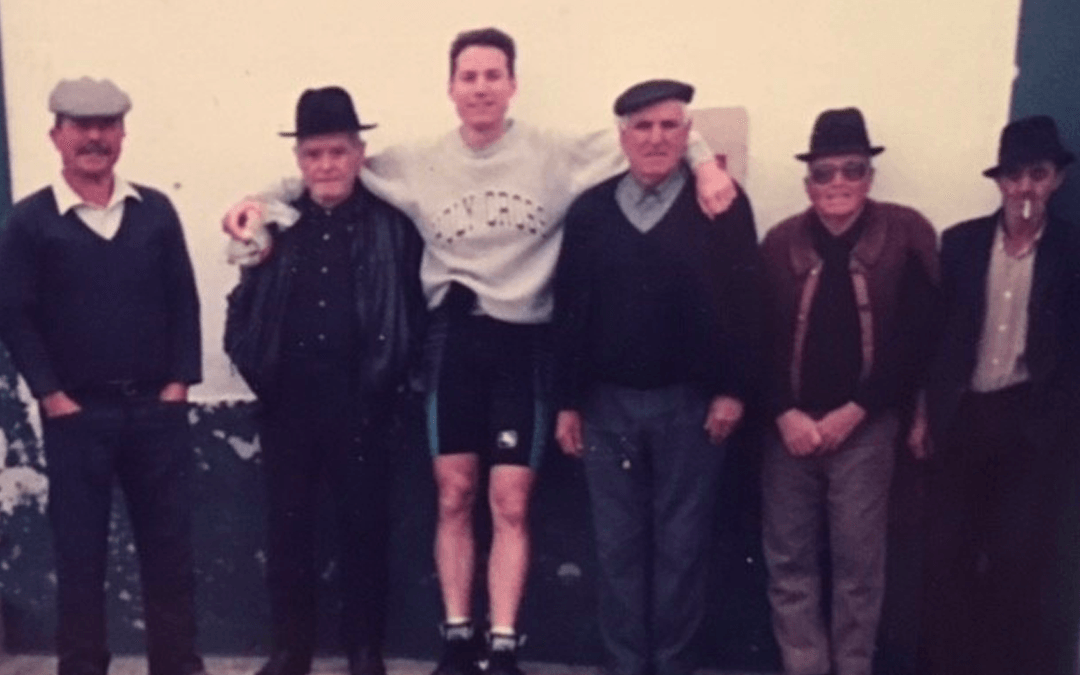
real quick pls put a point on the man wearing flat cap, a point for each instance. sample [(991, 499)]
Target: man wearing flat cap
[(655, 331), (1003, 404), (850, 284), (99, 311), (323, 325)]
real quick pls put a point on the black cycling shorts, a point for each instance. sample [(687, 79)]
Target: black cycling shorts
[(488, 388)]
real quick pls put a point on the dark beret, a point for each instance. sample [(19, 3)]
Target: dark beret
[(644, 94)]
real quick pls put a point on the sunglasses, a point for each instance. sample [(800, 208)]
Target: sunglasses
[(823, 174)]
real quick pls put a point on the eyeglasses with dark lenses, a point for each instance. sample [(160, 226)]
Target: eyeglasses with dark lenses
[(823, 174)]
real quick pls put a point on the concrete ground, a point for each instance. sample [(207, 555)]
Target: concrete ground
[(22, 664)]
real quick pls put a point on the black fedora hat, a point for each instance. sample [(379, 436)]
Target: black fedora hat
[(1029, 140), (839, 132), (325, 111)]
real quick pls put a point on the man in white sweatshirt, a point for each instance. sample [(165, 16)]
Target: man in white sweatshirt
[(488, 199)]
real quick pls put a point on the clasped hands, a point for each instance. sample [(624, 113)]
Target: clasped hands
[(804, 436)]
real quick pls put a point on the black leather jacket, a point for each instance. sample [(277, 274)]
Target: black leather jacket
[(390, 308)]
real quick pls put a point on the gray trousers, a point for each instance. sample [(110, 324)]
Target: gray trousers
[(837, 501), (652, 474)]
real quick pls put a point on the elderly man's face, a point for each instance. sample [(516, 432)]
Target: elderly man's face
[(654, 140), (1031, 183), (330, 164), (89, 146), (481, 87), (838, 186)]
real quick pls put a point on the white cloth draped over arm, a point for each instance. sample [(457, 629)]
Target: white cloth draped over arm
[(275, 202)]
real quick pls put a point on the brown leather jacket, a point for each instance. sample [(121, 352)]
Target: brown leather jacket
[(892, 236)]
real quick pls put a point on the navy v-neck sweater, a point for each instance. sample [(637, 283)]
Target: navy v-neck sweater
[(674, 305), (78, 310)]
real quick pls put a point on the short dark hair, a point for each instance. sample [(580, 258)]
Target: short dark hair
[(483, 37)]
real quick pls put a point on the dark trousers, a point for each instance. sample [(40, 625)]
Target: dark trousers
[(652, 475), (313, 431), (146, 445), (1002, 564)]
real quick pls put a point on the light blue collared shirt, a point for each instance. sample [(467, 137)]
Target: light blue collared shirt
[(644, 207)]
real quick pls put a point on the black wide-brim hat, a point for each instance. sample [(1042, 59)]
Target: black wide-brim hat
[(326, 111), (1029, 140), (839, 132)]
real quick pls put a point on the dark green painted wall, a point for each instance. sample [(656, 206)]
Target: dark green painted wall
[(559, 609), (1048, 57)]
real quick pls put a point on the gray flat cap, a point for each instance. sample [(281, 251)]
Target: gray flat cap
[(645, 94), (85, 97)]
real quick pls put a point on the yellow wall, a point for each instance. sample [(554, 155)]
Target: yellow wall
[(214, 80)]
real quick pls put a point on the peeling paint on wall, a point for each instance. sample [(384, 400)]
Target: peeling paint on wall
[(22, 477), (243, 448), (23, 482), (22, 486), (33, 418)]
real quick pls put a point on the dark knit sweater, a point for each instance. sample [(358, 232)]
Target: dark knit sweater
[(833, 359), (674, 305), (77, 310)]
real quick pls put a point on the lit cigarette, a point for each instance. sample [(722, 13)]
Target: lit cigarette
[(1026, 213)]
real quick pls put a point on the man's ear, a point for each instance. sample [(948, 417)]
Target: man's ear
[(1059, 179)]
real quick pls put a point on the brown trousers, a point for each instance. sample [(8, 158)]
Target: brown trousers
[(836, 502)]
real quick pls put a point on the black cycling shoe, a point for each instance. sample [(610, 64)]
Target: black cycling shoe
[(502, 654), (461, 651)]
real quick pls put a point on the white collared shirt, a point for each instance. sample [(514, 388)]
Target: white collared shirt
[(103, 220), (1003, 345)]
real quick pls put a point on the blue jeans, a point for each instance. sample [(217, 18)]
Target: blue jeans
[(145, 444), (652, 474)]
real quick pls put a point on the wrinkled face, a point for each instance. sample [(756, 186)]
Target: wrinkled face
[(654, 140), (481, 87), (1032, 183), (838, 186), (330, 164), (89, 146)]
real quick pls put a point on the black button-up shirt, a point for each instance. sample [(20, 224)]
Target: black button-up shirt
[(320, 313)]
